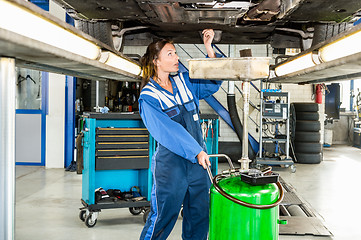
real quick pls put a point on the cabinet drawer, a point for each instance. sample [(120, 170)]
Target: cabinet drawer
[(121, 162), (121, 145), (122, 138), (122, 152), (121, 131)]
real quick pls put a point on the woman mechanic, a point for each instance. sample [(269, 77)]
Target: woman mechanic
[(169, 107)]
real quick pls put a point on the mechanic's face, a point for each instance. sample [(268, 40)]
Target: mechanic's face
[(168, 59)]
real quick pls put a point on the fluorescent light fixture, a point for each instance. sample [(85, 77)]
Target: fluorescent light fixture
[(297, 64), (121, 63), (343, 47), (346, 45), (22, 21)]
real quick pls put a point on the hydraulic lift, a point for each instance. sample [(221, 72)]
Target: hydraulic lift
[(21, 50)]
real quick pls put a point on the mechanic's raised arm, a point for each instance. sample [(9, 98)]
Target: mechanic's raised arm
[(208, 35)]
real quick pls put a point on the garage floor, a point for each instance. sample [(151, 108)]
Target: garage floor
[(48, 201)]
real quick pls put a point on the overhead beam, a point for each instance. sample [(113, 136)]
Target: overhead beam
[(35, 54)]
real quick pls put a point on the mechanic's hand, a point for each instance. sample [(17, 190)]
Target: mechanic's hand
[(208, 35), (203, 159)]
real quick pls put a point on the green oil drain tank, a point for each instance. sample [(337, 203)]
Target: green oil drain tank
[(232, 221)]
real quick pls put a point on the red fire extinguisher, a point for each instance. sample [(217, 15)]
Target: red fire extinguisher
[(319, 93)]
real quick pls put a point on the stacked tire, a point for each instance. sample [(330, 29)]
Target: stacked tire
[(307, 138)]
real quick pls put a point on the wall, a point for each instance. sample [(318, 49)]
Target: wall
[(102, 92), (342, 129), (55, 120)]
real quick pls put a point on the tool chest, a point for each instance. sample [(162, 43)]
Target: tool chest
[(117, 153)]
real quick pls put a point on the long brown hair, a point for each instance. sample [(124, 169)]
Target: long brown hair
[(147, 61)]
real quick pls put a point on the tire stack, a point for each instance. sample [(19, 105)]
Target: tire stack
[(308, 147), (99, 30)]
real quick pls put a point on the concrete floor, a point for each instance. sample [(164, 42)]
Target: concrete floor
[(48, 201)]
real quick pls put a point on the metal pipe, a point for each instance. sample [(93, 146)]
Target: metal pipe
[(352, 94), (97, 96), (225, 156), (236, 122), (251, 103), (209, 173), (7, 147), (218, 155), (245, 119), (245, 160), (295, 210)]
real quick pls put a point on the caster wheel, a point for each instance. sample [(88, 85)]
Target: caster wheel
[(293, 168), (82, 215), (91, 220), (145, 215), (135, 210)]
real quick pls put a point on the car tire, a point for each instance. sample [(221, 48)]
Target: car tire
[(308, 126), (307, 147), (311, 116), (324, 31), (309, 158), (305, 107), (292, 122), (99, 30), (307, 137)]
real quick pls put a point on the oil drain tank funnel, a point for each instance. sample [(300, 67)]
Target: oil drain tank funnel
[(234, 69), (243, 69)]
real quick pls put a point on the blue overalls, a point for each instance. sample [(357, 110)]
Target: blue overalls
[(173, 120)]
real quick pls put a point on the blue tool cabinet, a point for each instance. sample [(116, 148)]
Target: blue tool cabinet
[(117, 153)]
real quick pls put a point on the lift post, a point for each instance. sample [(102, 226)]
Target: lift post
[(7, 148)]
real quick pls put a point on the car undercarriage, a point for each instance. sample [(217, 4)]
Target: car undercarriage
[(282, 23)]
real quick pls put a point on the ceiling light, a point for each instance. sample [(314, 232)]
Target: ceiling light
[(22, 21), (121, 63), (348, 45), (296, 64)]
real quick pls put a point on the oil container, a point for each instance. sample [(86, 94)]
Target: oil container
[(230, 220)]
